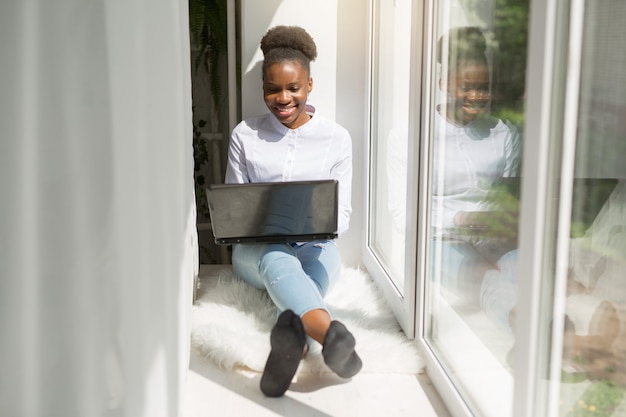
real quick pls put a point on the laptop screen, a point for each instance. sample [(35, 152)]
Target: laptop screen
[(273, 212), (589, 197)]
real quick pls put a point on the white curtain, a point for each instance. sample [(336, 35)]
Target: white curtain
[(98, 248)]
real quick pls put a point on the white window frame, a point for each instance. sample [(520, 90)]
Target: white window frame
[(555, 46), (403, 303), (547, 120)]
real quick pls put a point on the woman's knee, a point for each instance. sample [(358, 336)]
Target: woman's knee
[(322, 263), (276, 259)]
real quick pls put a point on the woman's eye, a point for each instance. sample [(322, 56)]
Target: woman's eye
[(477, 89)]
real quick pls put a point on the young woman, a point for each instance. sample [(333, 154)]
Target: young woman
[(473, 150), (293, 143)]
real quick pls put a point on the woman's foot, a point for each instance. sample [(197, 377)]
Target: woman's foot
[(338, 351), (288, 341)]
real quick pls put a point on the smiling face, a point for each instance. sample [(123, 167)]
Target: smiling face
[(468, 89), (286, 86)]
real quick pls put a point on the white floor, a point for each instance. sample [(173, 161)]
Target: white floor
[(211, 391)]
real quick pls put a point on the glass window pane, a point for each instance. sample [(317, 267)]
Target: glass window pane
[(475, 142), (390, 115), (594, 354)]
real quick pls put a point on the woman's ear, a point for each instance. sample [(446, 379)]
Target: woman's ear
[(310, 85)]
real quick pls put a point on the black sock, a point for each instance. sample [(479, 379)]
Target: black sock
[(287, 341), (338, 351)]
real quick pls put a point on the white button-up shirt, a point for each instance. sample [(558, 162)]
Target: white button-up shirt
[(264, 150), (467, 160)]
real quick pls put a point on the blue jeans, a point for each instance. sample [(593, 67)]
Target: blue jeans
[(498, 294), (296, 276), (460, 268), (471, 276)]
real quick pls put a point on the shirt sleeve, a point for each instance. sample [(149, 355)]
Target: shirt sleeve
[(512, 151), (236, 169), (342, 172)]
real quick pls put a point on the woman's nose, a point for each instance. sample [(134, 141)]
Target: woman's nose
[(283, 96)]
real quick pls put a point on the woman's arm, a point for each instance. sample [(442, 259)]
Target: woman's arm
[(236, 170), (342, 171), (512, 152)]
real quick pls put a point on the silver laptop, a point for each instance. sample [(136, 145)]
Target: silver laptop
[(295, 211)]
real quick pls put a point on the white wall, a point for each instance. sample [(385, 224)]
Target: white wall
[(339, 28)]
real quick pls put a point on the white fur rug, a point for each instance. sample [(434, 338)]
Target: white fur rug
[(231, 324)]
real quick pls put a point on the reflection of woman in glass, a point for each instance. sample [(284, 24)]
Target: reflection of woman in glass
[(293, 143), (472, 149)]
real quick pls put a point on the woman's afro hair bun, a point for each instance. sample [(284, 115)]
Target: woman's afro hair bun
[(293, 37)]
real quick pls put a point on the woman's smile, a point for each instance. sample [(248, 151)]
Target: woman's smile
[(285, 111), (286, 86)]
